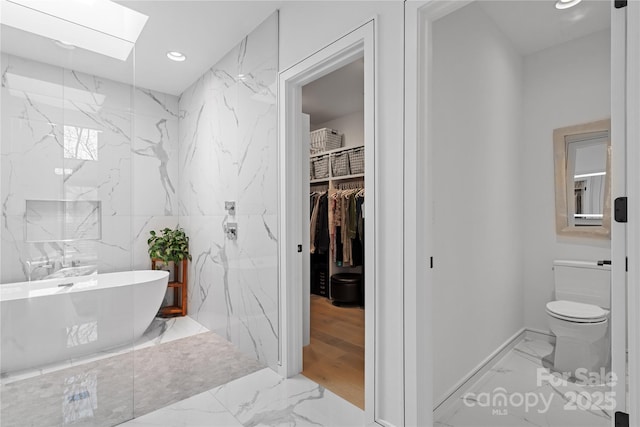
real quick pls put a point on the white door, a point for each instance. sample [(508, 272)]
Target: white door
[(305, 129)]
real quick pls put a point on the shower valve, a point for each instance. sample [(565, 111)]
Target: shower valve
[(230, 207), (231, 229)]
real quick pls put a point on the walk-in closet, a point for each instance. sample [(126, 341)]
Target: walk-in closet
[(333, 110)]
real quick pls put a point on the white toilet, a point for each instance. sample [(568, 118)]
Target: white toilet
[(579, 317)]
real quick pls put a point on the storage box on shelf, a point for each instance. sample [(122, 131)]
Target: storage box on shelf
[(179, 286), (356, 160), (337, 164), (325, 139), (340, 164), (320, 169)]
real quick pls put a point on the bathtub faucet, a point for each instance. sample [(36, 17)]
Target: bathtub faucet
[(74, 263), (33, 266)]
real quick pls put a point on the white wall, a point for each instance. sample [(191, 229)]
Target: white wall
[(476, 125), (565, 85), (351, 126), (306, 27)]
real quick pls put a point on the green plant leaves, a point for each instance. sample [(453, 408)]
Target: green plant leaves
[(170, 245)]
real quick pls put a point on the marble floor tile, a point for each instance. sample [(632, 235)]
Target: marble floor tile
[(520, 390), (200, 410), (262, 398)]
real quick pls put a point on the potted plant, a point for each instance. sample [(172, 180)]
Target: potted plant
[(169, 246)]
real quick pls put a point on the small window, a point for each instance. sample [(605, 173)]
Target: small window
[(80, 143)]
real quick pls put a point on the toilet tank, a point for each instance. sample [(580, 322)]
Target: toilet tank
[(583, 281)]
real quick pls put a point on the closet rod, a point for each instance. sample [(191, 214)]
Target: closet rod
[(350, 185)]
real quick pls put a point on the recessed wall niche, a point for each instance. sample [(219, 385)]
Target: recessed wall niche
[(63, 220)]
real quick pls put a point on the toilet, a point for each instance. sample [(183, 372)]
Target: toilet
[(579, 316)]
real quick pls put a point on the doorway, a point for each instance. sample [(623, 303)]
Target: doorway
[(355, 49), (333, 354), (489, 217)]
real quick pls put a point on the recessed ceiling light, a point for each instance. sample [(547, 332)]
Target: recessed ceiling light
[(176, 56), (64, 45), (566, 4)]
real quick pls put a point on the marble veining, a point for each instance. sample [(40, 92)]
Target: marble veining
[(76, 141), (262, 398), (228, 151), (154, 96), (156, 149)]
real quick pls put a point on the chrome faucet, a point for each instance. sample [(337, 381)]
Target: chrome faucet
[(33, 266)]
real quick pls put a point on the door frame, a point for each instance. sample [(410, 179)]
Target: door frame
[(291, 185), (418, 210), (633, 190)]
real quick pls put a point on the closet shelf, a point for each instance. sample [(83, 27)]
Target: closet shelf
[(343, 177), (336, 178), (320, 180), (335, 150)]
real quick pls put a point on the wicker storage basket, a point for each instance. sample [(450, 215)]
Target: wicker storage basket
[(340, 164), (320, 167), (325, 139), (356, 160)]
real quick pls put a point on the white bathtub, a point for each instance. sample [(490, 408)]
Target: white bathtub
[(50, 321)]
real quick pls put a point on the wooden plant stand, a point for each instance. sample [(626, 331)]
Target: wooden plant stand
[(179, 307)]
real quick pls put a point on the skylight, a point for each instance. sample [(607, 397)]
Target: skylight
[(101, 26)]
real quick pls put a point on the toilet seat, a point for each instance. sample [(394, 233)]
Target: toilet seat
[(577, 312)]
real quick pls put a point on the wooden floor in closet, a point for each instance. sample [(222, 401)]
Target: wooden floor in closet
[(335, 356)]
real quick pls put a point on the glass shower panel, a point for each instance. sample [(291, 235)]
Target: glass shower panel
[(65, 185), (256, 256)]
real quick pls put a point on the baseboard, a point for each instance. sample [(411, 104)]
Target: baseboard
[(540, 335), (482, 368)]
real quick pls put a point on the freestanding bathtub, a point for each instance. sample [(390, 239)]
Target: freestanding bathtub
[(54, 320)]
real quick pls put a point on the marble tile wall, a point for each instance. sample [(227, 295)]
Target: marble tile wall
[(72, 136), (228, 152)]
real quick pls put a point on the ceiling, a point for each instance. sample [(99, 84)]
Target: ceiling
[(203, 30), (337, 94), (531, 26), (206, 30), (535, 25)]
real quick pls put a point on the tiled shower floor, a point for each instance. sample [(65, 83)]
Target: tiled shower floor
[(160, 331), (175, 360), (522, 376)]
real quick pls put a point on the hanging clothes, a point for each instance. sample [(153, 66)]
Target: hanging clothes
[(315, 200), (322, 226), (346, 226)]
